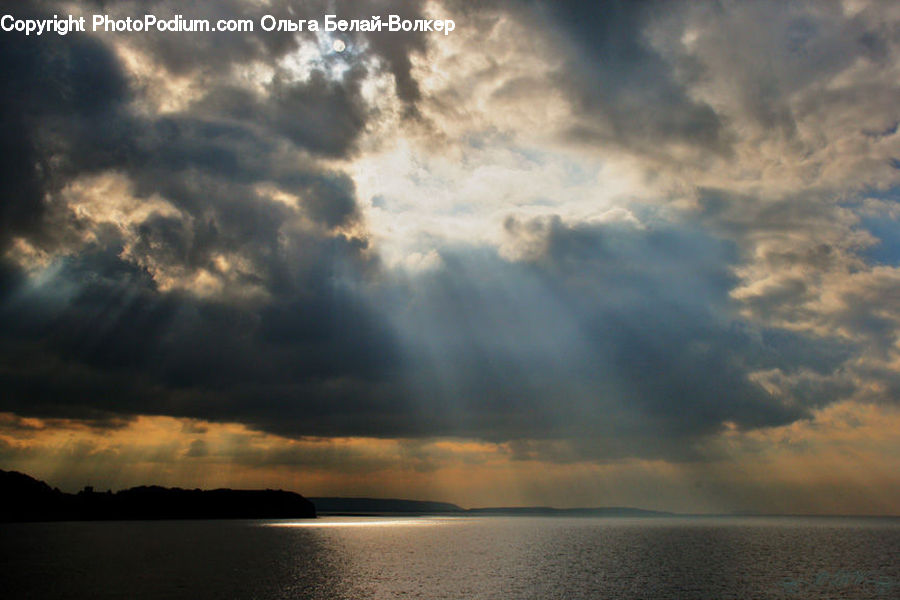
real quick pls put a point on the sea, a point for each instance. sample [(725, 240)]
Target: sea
[(456, 558)]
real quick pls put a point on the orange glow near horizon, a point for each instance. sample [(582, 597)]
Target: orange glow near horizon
[(845, 461)]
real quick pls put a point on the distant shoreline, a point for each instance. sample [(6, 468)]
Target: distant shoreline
[(25, 499)]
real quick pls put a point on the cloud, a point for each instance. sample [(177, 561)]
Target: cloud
[(485, 347), (54, 83), (622, 230), (608, 331), (623, 89), (157, 243)]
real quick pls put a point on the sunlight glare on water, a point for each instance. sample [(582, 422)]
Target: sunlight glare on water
[(361, 522)]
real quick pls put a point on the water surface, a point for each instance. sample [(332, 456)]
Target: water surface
[(464, 558)]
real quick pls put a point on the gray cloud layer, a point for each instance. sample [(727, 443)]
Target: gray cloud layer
[(626, 338)]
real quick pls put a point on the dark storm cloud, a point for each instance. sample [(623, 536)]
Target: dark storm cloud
[(608, 332), (65, 115), (624, 87), (621, 337), (46, 84), (204, 53), (100, 340), (623, 90), (620, 359), (99, 336)]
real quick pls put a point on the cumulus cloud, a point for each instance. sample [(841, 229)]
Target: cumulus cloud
[(621, 229)]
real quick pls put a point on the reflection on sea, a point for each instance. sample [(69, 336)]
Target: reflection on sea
[(467, 558), (362, 522)]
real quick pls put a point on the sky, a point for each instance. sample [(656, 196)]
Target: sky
[(571, 253)]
